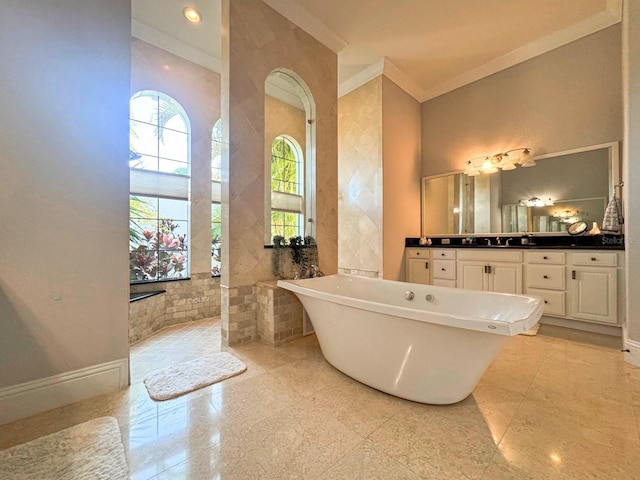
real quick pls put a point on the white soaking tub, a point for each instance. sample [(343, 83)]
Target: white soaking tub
[(419, 342)]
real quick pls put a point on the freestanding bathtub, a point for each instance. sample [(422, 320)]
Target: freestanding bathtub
[(419, 342)]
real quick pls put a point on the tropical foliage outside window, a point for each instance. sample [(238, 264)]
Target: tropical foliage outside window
[(159, 203), (216, 214), (286, 177)]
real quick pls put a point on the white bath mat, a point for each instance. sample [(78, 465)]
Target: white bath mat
[(188, 376), (532, 332), (90, 450)]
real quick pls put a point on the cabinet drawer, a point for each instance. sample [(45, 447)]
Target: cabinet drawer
[(489, 255), (595, 259), (554, 302), (553, 258), (444, 283), (418, 253), (443, 254), (545, 276), (445, 269)]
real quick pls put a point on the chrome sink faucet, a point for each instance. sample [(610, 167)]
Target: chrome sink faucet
[(508, 242), (498, 241), (488, 241)]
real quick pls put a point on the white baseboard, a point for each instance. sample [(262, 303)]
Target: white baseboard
[(26, 399), (612, 330), (633, 355)]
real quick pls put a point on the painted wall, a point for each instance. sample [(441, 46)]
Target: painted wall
[(256, 41), (631, 172), (567, 98), (64, 186), (360, 146), (401, 175)]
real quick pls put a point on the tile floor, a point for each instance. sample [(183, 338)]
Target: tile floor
[(559, 405)]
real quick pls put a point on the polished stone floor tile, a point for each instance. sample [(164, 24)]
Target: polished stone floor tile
[(560, 405)]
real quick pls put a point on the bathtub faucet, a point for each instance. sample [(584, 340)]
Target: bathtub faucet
[(315, 271)]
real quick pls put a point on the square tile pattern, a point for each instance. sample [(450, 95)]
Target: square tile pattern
[(558, 405)]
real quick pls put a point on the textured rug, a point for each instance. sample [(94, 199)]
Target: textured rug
[(532, 332), (90, 450), (188, 376)]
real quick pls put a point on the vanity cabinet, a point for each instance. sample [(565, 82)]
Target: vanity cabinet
[(594, 287), (492, 271), (443, 271), (417, 265), (545, 277), (578, 287)]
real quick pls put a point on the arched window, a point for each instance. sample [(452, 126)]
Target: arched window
[(159, 162), (216, 192), (287, 188)]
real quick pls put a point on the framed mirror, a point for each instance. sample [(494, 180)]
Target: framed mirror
[(562, 188)]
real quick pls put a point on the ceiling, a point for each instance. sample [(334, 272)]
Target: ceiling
[(428, 47)]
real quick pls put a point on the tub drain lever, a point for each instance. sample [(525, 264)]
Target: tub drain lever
[(409, 295)]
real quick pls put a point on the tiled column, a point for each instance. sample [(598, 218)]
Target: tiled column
[(279, 314)]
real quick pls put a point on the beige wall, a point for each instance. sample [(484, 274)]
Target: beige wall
[(360, 143), (64, 186), (256, 41), (631, 172), (401, 175), (567, 98), (197, 89)]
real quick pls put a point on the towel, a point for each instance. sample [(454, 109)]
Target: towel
[(613, 216)]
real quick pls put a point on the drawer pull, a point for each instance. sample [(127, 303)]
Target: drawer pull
[(593, 259), (573, 274), (545, 276), (443, 254), (426, 265), (443, 269), (545, 302), (545, 258)]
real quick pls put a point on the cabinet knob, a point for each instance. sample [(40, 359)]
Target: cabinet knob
[(442, 254), (593, 259), (545, 257), (545, 276), (545, 302), (443, 269)]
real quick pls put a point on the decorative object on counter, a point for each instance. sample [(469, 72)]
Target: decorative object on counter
[(613, 219), (423, 241), (499, 161), (577, 228), (297, 258), (595, 230)]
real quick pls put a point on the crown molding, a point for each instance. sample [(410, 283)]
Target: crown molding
[(363, 76), (173, 45), (595, 23), (298, 15), (403, 80)]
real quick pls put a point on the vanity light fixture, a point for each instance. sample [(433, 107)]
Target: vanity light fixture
[(499, 161), (192, 14), (536, 202)]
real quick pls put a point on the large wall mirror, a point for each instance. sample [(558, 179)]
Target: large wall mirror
[(562, 188)]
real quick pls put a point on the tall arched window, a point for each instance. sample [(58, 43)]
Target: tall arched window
[(287, 188), (216, 193), (159, 162)]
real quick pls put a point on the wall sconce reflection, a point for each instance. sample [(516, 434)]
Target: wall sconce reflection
[(536, 202)]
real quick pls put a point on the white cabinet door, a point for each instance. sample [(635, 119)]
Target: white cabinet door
[(492, 277), (505, 278), (418, 270), (594, 294), (471, 275)]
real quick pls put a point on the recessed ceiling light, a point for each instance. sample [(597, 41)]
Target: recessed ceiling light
[(192, 14)]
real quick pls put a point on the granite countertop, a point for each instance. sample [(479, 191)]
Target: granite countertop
[(579, 242)]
